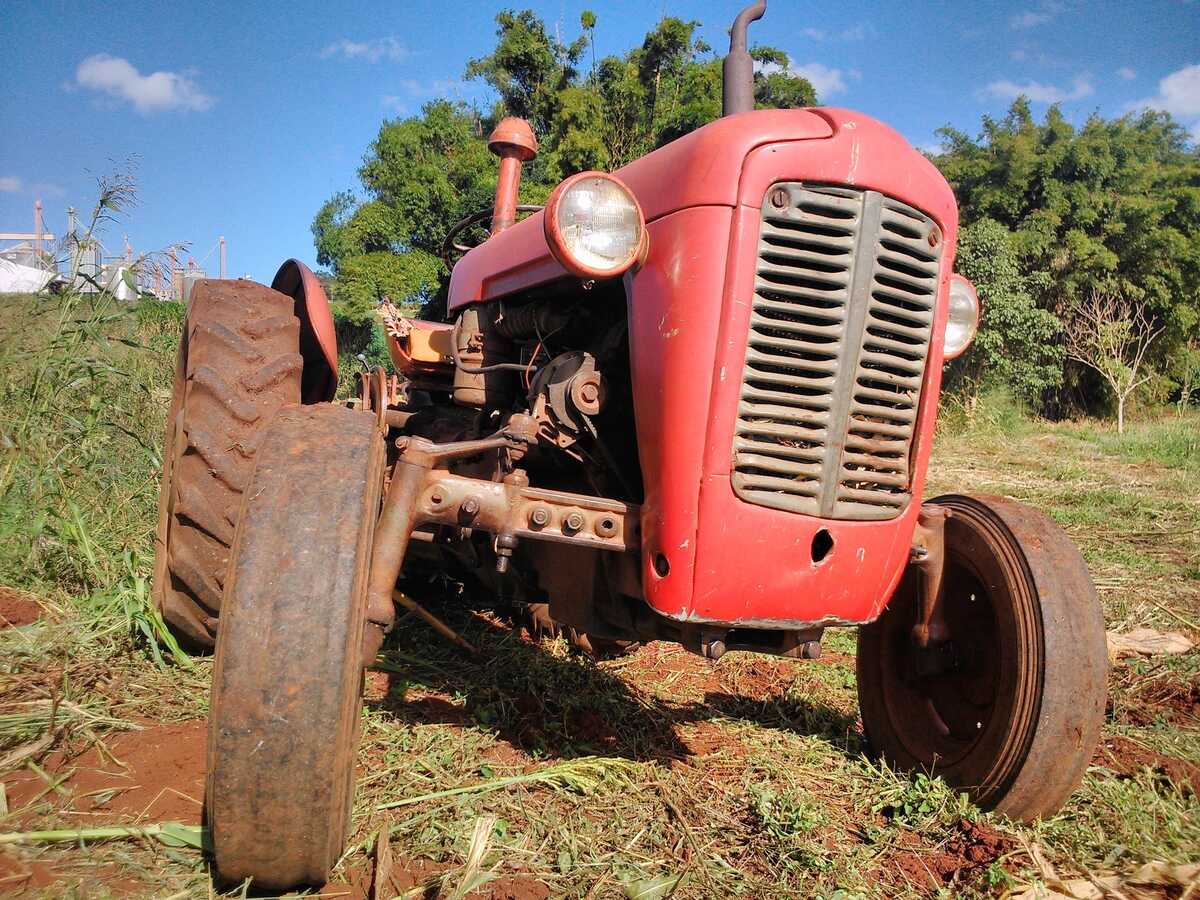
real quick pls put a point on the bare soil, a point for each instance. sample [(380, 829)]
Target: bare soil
[(17, 608), (1127, 758), (156, 774)]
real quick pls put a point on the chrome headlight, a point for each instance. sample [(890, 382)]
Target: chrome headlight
[(963, 319), (595, 226)]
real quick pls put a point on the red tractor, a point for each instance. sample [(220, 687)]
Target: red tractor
[(690, 401)]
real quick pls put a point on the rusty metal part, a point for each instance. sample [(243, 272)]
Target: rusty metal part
[(288, 668), (737, 93), (1013, 712), (511, 507), (512, 141), (434, 622), (239, 362), (929, 558), (418, 457), (482, 377)]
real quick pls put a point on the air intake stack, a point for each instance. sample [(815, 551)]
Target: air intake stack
[(738, 74)]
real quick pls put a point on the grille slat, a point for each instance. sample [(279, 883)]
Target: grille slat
[(845, 292)]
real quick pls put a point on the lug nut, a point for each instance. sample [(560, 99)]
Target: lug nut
[(539, 517), (573, 523)]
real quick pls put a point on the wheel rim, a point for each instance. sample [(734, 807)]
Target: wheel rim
[(972, 722)]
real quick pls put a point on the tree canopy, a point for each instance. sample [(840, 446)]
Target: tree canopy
[(1052, 212)]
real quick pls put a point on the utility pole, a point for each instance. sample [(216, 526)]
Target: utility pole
[(37, 226), (222, 256)]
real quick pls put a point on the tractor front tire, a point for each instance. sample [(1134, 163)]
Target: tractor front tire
[(287, 677), (1009, 710), (239, 362)]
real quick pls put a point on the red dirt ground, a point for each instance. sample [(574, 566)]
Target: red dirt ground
[(957, 861), (17, 609), (408, 873), (156, 774), (1127, 758)]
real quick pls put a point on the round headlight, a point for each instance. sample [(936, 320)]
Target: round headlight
[(963, 320), (594, 225)]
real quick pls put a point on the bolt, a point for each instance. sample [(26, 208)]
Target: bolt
[(436, 498), (573, 523), (539, 517), (606, 527), (470, 507), (933, 237), (810, 650), (590, 392), (716, 649), (779, 198)]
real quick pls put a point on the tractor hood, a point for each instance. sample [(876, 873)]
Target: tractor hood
[(700, 169)]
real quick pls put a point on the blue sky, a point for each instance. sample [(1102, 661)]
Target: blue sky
[(245, 117)]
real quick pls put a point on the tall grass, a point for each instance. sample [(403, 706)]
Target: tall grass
[(84, 382)]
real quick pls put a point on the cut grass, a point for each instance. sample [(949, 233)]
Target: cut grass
[(742, 778)]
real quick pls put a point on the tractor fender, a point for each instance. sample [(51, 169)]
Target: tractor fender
[(318, 337)]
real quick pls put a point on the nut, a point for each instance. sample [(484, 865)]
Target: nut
[(606, 527), (573, 523), (539, 517)]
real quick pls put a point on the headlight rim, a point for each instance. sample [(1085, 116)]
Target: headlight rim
[(554, 234), (947, 353)]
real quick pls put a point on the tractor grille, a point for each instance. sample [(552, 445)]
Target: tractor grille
[(839, 333)]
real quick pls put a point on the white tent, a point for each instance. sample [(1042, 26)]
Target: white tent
[(16, 278)]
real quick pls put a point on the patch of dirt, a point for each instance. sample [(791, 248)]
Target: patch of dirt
[(156, 774), (39, 877), (1127, 758), (408, 873), (17, 608), (1175, 701), (958, 860)]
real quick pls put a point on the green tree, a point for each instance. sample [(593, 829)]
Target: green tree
[(1016, 344), (1112, 206)]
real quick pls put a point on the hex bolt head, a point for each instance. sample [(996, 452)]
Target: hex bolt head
[(573, 523), (539, 517), (470, 507)]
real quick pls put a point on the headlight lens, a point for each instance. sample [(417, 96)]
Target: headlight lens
[(594, 225), (963, 320)]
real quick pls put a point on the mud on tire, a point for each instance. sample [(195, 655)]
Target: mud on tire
[(238, 364)]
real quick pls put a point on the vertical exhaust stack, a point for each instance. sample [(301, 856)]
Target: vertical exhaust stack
[(737, 93)]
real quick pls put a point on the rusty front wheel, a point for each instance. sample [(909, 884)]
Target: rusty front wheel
[(288, 670), (1010, 709)]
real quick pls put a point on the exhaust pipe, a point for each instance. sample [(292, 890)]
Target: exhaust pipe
[(737, 90)]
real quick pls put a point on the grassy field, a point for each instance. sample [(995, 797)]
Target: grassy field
[(527, 771)]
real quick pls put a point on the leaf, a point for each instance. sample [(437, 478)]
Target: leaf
[(652, 889), (1146, 642)]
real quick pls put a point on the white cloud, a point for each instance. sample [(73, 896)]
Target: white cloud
[(1126, 74), (853, 33), (388, 48), (825, 81), (422, 90), (1081, 87), (156, 92), (1178, 94), (1032, 18), (10, 184)]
